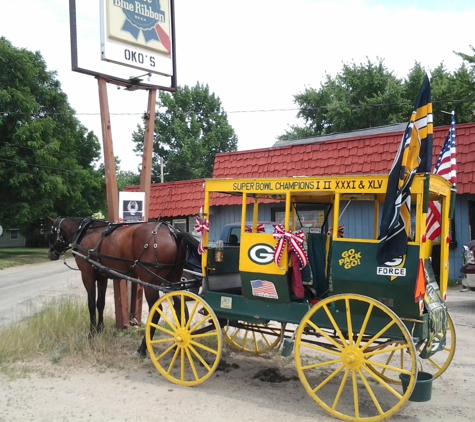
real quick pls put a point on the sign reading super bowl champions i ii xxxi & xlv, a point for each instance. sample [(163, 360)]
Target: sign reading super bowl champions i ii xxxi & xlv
[(137, 33)]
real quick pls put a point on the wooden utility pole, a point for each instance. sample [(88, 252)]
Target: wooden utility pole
[(145, 181), (120, 286)]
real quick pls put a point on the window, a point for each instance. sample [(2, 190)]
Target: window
[(179, 224), (14, 234), (191, 225), (309, 217)]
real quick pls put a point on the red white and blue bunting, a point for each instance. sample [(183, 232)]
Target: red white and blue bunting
[(259, 229), (295, 240), (201, 227)]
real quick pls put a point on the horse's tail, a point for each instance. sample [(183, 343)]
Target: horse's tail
[(192, 245)]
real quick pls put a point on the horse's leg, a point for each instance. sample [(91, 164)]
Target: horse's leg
[(101, 301), (90, 285), (151, 296)]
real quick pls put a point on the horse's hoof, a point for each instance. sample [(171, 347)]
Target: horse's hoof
[(137, 354)]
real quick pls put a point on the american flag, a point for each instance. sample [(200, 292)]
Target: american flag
[(446, 163), (445, 167), (263, 288)]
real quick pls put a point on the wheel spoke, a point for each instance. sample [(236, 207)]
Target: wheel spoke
[(365, 324), (329, 378), (174, 357), (165, 318), (322, 349), (321, 364), (192, 363), (183, 320), (379, 334), (382, 382), (171, 306), (370, 392), (386, 350), (355, 394), (348, 321), (200, 358), (327, 337), (203, 347), (334, 324), (340, 389), (162, 340), (192, 314)]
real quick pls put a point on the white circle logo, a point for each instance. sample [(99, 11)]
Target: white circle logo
[(261, 254)]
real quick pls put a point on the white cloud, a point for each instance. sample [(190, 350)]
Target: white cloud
[(254, 55)]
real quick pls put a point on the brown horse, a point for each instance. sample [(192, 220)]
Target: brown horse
[(152, 252)]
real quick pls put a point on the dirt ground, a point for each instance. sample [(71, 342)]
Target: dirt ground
[(233, 396)]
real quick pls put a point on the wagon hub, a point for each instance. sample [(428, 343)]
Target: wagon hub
[(182, 337), (352, 357)]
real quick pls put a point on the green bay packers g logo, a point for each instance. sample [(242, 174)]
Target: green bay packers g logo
[(261, 254)]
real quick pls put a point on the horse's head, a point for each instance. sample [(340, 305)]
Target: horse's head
[(56, 239)]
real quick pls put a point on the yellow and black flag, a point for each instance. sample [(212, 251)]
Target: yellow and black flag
[(413, 156)]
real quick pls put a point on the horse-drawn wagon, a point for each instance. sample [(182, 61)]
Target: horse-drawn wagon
[(360, 328)]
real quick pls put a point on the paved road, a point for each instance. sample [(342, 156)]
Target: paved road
[(25, 289)]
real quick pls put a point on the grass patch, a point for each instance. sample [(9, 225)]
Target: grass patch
[(59, 336), (14, 257)]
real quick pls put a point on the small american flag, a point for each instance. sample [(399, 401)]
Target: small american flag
[(263, 289), (445, 167), (446, 163)]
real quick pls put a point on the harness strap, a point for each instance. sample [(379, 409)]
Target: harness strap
[(95, 253)]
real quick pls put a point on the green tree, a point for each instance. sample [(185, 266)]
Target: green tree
[(453, 92), (368, 95), (191, 127), (47, 158), (350, 100), (127, 178), (467, 57)]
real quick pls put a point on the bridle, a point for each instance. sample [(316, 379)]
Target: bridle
[(60, 245)]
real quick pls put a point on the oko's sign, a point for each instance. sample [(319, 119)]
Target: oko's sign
[(137, 33)]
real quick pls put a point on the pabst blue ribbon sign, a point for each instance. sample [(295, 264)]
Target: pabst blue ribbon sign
[(137, 33), (145, 17)]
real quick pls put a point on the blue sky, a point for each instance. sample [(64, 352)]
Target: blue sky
[(254, 55)]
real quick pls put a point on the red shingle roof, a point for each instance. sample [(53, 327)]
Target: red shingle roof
[(372, 154), (351, 153), (174, 199)]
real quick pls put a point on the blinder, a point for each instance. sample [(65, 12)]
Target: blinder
[(59, 245)]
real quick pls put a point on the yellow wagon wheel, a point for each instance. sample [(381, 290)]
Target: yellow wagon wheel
[(436, 365), (254, 338), (186, 347), (333, 361)]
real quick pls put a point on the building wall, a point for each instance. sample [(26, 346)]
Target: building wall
[(462, 233), (7, 242)]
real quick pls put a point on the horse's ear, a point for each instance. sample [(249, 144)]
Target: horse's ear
[(51, 219)]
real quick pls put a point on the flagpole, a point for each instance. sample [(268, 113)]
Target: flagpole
[(453, 189)]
